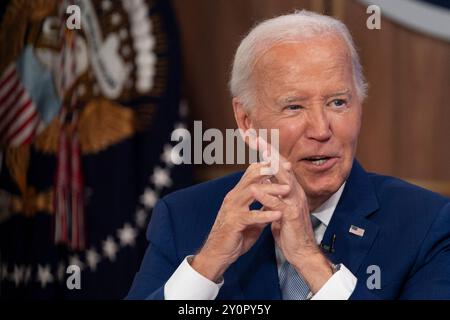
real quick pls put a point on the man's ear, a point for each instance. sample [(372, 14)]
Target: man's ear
[(241, 115)]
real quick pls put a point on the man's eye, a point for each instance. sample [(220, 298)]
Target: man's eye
[(293, 107), (338, 103)]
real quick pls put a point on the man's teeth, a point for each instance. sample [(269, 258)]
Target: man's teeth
[(319, 162)]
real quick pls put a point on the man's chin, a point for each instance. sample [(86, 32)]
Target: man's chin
[(321, 187), (321, 184), (319, 191)]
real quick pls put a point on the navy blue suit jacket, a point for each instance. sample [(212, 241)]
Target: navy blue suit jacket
[(406, 234)]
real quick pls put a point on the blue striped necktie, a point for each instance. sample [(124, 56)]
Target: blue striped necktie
[(292, 285)]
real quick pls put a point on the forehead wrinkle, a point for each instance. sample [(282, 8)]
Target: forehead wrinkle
[(272, 65), (316, 68)]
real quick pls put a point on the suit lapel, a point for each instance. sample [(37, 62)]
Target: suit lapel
[(357, 202)]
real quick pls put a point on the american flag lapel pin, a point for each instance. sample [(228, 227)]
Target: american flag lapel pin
[(356, 231)]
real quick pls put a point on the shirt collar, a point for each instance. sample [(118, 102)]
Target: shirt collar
[(326, 210)]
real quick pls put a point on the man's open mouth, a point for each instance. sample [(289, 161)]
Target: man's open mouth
[(318, 160)]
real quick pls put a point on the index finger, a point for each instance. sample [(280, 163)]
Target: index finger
[(279, 166)]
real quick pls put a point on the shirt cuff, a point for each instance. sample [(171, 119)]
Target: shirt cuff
[(339, 287), (187, 284)]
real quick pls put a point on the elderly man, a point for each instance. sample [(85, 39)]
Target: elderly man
[(322, 228)]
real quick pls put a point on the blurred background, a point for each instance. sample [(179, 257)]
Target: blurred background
[(86, 118)]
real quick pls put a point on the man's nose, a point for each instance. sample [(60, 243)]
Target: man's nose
[(318, 126)]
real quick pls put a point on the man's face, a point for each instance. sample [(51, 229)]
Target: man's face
[(306, 90)]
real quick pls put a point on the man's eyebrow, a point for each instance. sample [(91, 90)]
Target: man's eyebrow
[(339, 93), (292, 99)]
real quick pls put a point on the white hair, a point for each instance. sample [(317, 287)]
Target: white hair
[(297, 26)]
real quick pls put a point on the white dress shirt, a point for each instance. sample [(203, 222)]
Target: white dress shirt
[(187, 284)]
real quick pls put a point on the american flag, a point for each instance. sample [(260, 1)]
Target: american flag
[(19, 118), (356, 231)]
